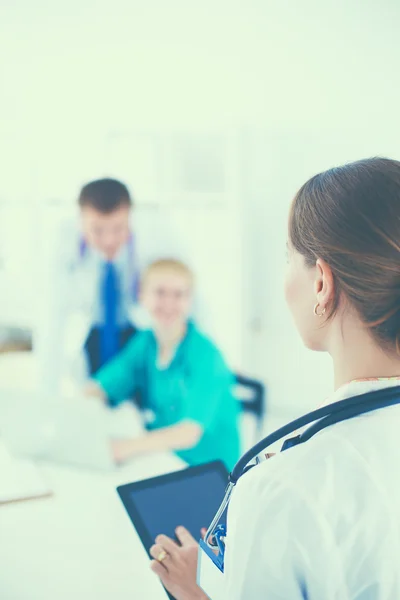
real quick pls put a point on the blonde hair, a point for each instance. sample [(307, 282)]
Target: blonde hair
[(168, 264)]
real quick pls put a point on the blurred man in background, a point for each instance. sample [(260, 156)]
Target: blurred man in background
[(92, 309)]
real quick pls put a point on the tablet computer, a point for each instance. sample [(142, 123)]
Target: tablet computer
[(189, 497)]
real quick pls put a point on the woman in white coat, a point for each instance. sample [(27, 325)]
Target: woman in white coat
[(321, 521)]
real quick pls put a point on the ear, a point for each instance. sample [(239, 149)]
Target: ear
[(324, 285)]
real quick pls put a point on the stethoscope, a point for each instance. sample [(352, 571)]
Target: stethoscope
[(321, 418)]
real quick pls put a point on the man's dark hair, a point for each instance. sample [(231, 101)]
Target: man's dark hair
[(105, 195)]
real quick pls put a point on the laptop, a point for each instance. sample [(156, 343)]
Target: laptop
[(72, 431)]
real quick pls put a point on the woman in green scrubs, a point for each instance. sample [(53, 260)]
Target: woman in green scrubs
[(181, 377)]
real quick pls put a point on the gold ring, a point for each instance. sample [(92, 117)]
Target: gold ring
[(162, 556)]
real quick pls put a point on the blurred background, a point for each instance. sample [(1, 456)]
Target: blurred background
[(213, 113)]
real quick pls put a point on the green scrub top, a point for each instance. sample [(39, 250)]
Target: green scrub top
[(197, 386)]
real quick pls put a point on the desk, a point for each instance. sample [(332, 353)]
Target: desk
[(79, 544)]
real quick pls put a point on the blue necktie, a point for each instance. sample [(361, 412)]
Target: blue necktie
[(110, 302)]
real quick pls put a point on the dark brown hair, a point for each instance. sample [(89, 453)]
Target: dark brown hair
[(350, 217), (105, 195)]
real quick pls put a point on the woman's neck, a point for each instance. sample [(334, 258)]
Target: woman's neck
[(168, 340), (356, 355)]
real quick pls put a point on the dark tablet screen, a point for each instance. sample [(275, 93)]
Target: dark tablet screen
[(189, 497)]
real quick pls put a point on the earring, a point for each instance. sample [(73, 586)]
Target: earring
[(319, 314)]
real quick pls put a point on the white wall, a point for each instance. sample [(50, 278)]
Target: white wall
[(74, 70)]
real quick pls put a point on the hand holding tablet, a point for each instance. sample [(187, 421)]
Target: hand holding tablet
[(188, 498)]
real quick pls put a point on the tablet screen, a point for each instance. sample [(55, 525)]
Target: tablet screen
[(190, 497)]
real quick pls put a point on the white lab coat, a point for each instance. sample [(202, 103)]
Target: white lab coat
[(69, 305), (321, 521)]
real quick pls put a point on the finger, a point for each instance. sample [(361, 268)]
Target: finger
[(159, 570), (155, 552), (167, 544), (185, 538)]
